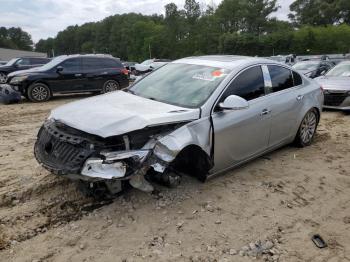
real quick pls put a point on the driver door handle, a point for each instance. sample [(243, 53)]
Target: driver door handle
[(77, 75), (300, 97), (265, 112)]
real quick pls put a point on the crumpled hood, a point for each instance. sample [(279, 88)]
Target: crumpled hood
[(118, 113), (334, 82)]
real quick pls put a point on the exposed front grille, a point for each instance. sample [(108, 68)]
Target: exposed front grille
[(60, 152), (334, 99)]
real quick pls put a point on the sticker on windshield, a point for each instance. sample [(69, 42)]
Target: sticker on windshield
[(210, 76)]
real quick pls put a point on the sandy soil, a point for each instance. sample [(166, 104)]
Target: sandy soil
[(284, 197)]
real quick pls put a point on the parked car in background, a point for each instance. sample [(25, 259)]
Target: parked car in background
[(129, 65), (20, 63), (285, 59), (70, 74), (199, 116), (336, 87), (313, 68), (149, 65), (3, 62)]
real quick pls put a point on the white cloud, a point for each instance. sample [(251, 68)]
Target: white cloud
[(45, 18)]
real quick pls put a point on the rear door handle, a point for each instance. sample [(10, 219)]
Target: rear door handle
[(265, 112), (300, 97), (77, 75)]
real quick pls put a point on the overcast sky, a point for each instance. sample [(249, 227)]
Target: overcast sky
[(45, 18)]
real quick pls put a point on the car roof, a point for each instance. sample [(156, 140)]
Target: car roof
[(223, 61), (89, 55)]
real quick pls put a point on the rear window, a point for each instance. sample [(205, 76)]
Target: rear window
[(98, 63), (111, 63), (281, 78), (297, 79)]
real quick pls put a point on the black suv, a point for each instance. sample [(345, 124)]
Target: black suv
[(70, 74), (20, 63)]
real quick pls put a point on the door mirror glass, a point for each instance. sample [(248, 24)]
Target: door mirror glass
[(234, 102), (59, 69)]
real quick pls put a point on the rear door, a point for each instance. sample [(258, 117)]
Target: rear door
[(285, 99), (95, 72), (242, 134), (71, 78)]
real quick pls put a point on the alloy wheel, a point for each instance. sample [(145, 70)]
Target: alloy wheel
[(308, 127), (3, 78), (111, 86), (40, 93)]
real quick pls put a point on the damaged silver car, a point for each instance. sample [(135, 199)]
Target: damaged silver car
[(199, 116)]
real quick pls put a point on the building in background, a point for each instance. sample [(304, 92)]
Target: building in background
[(8, 54)]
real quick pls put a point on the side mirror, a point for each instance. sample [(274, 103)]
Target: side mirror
[(234, 102), (59, 69)]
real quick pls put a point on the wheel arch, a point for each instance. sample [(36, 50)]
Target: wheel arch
[(192, 160)]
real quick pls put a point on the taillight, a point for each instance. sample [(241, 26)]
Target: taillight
[(125, 71)]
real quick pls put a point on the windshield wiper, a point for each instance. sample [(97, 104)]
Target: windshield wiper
[(152, 98)]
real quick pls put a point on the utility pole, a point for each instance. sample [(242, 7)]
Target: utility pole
[(149, 49)]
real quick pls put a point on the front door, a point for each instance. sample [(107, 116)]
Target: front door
[(242, 134), (70, 79)]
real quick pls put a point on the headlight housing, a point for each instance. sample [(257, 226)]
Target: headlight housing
[(18, 79)]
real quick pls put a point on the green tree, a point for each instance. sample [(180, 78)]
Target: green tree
[(320, 12), (16, 38)]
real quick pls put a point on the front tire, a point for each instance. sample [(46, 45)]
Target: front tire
[(39, 93), (307, 129), (110, 85), (3, 78)]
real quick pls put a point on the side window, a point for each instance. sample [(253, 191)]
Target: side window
[(90, 63), (71, 65), (281, 78), (111, 63), (248, 85), (297, 79), (37, 61), (23, 62)]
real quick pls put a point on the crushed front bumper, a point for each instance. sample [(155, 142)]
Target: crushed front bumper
[(76, 157)]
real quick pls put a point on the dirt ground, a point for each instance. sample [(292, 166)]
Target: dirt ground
[(283, 198)]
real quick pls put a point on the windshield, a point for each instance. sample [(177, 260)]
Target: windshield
[(180, 84), (310, 66), (11, 62), (54, 62), (147, 62), (340, 70)]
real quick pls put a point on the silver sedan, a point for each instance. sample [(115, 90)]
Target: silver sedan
[(197, 115), (336, 86)]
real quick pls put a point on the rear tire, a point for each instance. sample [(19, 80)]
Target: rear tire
[(307, 129), (110, 85), (39, 92)]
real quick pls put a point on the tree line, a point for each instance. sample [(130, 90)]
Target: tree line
[(15, 38), (244, 27)]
